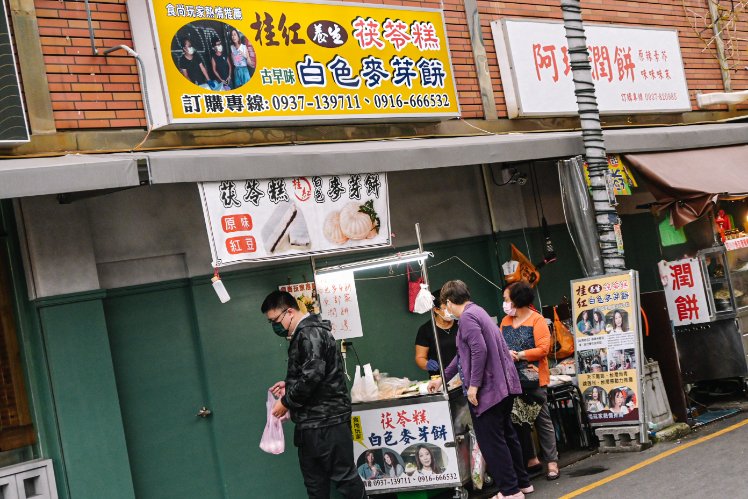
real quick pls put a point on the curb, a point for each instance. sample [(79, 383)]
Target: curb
[(672, 432)]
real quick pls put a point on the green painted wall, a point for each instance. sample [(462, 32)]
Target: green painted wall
[(85, 397), (641, 243)]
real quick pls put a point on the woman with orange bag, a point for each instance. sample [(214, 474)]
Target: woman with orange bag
[(529, 340)]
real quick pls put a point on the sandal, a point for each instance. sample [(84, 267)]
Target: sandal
[(553, 474)]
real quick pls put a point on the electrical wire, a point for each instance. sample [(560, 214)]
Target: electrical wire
[(355, 353), (434, 266)]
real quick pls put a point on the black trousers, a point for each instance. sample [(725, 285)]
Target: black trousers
[(326, 454), (500, 448)]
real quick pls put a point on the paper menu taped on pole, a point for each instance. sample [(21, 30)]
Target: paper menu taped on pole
[(339, 303)]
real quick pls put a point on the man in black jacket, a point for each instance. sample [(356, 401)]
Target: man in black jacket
[(317, 396)]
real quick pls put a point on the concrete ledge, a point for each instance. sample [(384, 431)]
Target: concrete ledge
[(672, 432)]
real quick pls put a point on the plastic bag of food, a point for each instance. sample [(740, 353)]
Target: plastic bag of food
[(273, 441), (477, 463), (392, 387)]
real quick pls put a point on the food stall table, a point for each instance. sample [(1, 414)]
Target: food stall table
[(402, 427)]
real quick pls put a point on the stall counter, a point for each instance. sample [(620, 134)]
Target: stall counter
[(395, 432)]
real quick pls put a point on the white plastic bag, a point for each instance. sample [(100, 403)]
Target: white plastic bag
[(272, 440), (364, 387), (477, 464), (357, 393), (424, 300), (371, 390)]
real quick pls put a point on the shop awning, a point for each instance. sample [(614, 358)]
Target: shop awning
[(686, 182), (36, 176), (356, 157), (70, 173)]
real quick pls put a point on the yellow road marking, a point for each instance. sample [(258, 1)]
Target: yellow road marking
[(652, 459)]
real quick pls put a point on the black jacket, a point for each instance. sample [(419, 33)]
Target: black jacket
[(316, 392)]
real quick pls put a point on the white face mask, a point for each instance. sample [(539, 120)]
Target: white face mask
[(446, 315), (449, 315), (190, 50), (219, 48), (509, 309)]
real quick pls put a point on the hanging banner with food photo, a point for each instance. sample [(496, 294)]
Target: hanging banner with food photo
[(607, 345), (405, 447), (272, 219)]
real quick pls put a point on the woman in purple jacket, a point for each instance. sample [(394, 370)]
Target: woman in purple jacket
[(490, 382)]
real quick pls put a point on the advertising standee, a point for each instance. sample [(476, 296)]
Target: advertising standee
[(607, 347)]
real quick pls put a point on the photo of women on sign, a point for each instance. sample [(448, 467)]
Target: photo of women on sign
[(213, 55), (584, 322), (598, 321), (242, 57), (595, 398), (424, 459), (393, 464), (370, 469), (617, 321), (621, 400)]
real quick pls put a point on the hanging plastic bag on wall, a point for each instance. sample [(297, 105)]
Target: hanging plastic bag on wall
[(562, 341), (273, 441), (525, 270), (414, 287), (424, 300)]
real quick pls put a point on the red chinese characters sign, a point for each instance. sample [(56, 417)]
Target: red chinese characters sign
[(684, 291), (634, 69), (339, 303)]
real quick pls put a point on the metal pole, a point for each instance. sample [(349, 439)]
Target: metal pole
[(91, 29), (424, 272)]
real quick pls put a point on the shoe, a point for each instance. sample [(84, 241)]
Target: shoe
[(535, 469), (527, 490), (518, 495), (553, 474)]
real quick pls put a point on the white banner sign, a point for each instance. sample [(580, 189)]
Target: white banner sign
[(684, 291), (339, 303), (271, 219), (402, 447), (635, 70)]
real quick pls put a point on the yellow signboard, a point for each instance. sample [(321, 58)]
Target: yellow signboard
[(621, 177), (290, 61)]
